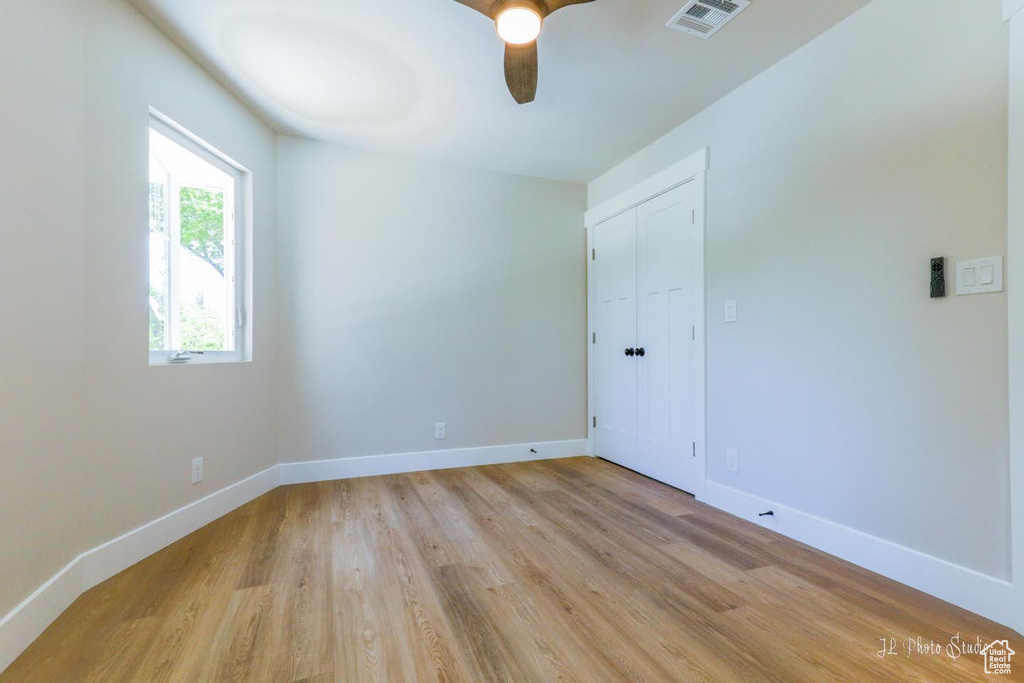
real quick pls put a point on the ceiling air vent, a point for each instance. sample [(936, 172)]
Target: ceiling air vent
[(703, 18)]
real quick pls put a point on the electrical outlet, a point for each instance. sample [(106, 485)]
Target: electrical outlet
[(197, 470), (732, 461), (440, 430)]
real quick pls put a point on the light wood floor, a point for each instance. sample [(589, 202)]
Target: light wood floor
[(570, 570)]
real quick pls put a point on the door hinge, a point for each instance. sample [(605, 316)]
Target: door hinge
[(595, 421), (694, 449), (693, 333), (693, 216), (593, 338), (593, 254)]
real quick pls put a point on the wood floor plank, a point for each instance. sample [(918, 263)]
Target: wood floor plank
[(571, 570), (358, 628), (241, 639), (412, 547)]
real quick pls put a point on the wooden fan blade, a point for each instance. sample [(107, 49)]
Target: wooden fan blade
[(488, 8), (521, 71)]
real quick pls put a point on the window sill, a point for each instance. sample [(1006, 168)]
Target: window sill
[(163, 359)]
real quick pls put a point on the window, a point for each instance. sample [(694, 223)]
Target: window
[(197, 230)]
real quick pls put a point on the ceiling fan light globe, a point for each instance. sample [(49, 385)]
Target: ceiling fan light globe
[(519, 25)]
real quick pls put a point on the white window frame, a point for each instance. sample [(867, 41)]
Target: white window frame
[(241, 252)]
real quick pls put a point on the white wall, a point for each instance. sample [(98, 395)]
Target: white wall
[(415, 293), (835, 176), (94, 441), (41, 273)]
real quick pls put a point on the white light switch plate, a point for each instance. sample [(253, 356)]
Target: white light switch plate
[(732, 461), (980, 276), (730, 311)]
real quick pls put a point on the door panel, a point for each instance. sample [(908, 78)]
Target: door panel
[(668, 280), (615, 377)]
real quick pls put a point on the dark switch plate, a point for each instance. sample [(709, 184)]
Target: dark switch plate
[(938, 277)]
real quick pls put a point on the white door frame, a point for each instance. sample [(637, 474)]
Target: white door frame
[(691, 169), (1013, 14)]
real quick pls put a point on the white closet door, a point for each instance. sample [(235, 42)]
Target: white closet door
[(615, 377), (668, 310)]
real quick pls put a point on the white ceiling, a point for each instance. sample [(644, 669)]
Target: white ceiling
[(425, 77)]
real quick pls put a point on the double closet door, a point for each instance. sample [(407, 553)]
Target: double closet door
[(648, 348)]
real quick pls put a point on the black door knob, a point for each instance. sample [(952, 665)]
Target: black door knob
[(640, 352), (630, 352)]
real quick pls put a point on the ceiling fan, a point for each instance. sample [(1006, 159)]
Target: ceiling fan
[(519, 23)]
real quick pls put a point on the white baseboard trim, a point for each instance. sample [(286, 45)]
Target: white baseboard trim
[(982, 594), (27, 621), (22, 625), (373, 465)]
